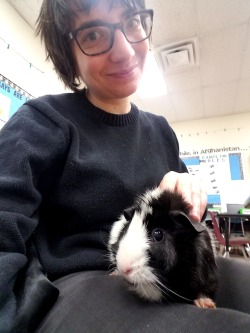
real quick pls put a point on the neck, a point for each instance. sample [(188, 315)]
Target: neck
[(115, 106)]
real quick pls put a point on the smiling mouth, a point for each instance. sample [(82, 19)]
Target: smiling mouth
[(125, 72)]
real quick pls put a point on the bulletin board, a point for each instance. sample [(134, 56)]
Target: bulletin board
[(11, 98), (216, 169)]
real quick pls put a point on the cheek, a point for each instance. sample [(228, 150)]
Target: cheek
[(90, 69), (142, 51), (82, 62), (163, 254)]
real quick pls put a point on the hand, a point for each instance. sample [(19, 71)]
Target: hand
[(191, 188)]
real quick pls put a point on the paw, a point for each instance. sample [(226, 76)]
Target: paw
[(114, 273), (207, 303)]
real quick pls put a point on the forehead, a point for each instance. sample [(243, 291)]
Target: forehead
[(86, 5), (105, 10)]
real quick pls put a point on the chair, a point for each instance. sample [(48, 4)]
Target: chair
[(234, 209), (241, 243)]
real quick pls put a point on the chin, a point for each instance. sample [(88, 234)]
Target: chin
[(126, 91)]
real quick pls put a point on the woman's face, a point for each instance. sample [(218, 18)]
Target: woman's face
[(116, 73)]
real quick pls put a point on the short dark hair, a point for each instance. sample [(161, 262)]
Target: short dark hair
[(55, 22)]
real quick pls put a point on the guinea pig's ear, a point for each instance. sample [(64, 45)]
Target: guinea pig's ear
[(185, 220), (129, 213)]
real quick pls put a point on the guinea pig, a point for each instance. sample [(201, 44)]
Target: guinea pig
[(161, 253)]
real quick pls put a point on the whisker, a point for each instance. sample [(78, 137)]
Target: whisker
[(111, 266), (166, 290), (160, 286), (175, 293)]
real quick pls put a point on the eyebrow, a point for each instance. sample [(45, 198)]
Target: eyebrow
[(94, 23), (91, 24)]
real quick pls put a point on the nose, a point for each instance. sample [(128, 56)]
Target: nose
[(125, 268), (121, 50)]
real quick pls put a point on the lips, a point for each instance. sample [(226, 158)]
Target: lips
[(123, 72)]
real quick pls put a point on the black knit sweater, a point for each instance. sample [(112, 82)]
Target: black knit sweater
[(67, 170)]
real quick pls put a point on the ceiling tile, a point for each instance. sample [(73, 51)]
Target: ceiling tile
[(177, 23), (245, 70), (219, 100), (221, 55), (188, 105), (29, 7), (243, 97), (187, 80), (220, 14)]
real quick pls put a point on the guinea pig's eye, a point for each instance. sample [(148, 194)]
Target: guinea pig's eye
[(157, 235)]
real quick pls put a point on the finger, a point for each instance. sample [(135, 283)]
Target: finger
[(191, 188), (184, 186), (180, 183), (199, 200), (169, 181)]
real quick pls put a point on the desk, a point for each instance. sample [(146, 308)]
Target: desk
[(227, 218)]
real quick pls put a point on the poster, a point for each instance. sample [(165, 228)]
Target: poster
[(11, 98), (216, 169), (4, 107)]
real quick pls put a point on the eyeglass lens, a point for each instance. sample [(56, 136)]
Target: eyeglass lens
[(99, 39)]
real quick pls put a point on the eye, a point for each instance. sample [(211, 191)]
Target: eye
[(133, 23), (157, 235), (91, 35)]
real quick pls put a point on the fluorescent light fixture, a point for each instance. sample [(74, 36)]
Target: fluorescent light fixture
[(152, 83)]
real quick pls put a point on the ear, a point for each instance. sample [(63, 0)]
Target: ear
[(129, 213), (185, 221)]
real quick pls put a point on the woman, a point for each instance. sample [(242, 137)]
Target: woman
[(82, 158)]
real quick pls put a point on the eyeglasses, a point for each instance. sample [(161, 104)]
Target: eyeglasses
[(97, 37)]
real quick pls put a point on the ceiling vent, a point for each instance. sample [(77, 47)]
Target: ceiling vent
[(179, 56)]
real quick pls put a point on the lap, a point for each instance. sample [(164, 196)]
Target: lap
[(97, 302), (234, 284)]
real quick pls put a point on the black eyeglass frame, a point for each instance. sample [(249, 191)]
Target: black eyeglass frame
[(73, 34)]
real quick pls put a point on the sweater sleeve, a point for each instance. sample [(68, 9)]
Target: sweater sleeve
[(182, 165), (30, 142)]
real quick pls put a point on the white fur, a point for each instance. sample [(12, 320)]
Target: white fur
[(133, 246), (148, 288), (116, 229), (131, 257), (114, 234)]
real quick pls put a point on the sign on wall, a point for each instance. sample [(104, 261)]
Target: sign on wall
[(217, 169), (11, 98)]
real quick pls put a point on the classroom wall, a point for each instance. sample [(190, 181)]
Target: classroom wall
[(215, 137), (22, 57)]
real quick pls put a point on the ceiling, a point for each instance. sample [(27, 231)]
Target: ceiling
[(218, 83)]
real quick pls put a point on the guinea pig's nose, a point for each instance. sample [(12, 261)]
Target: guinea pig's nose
[(126, 270)]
